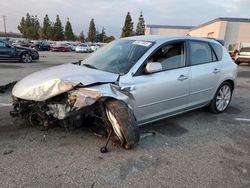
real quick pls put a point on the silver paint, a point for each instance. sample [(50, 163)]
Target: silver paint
[(151, 96), (53, 81)]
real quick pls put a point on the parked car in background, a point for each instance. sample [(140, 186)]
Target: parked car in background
[(131, 82), (73, 47), (243, 55), (240, 52), (58, 47), (94, 47), (41, 45), (83, 48), (21, 44), (18, 53)]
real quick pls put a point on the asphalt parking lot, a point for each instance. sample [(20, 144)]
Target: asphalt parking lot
[(195, 149)]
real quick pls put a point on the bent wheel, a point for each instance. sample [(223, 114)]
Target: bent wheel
[(123, 122)]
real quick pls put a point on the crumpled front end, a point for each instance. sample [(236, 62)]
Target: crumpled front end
[(79, 102)]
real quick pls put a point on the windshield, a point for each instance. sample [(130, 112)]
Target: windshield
[(118, 56), (246, 49)]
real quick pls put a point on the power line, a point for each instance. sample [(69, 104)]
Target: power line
[(4, 18)]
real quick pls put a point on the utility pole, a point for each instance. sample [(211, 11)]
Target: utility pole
[(4, 18)]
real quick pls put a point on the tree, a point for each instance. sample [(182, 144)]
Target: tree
[(21, 27), (127, 29), (82, 37), (140, 29), (46, 31), (108, 39), (101, 36), (35, 28), (29, 27), (92, 31), (57, 30), (68, 33)]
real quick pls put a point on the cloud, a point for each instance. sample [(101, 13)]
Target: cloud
[(111, 14)]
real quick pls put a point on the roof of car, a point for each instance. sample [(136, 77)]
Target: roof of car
[(165, 38)]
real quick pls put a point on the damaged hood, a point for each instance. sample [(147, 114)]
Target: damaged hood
[(53, 81)]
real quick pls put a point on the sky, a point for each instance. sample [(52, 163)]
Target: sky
[(111, 13)]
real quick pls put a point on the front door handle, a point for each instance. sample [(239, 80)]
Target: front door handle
[(215, 71), (182, 77)]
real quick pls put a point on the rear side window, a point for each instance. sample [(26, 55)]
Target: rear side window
[(200, 52), (218, 50)]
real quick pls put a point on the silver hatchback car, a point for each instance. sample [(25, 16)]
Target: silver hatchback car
[(128, 83)]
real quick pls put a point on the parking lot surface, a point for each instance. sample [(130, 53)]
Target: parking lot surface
[(195, 149)]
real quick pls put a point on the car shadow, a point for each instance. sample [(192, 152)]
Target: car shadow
[(164, 127)]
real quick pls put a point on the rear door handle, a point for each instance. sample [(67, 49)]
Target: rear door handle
[(182, 77), (215, 71)]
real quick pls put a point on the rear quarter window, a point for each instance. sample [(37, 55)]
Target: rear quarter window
[(218, 50)]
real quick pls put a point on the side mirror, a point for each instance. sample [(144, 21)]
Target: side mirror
[(152, 67)]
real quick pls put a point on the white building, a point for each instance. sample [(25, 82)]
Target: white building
[(231, 30), (167, 30)]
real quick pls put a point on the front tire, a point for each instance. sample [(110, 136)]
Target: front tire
[(123, 123), (222, 98), (26, 58)]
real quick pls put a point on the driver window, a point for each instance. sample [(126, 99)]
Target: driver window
[(170, 56)]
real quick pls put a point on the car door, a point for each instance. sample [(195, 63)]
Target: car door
[(205, 72), (166, 92), (7, 51), (4, 51)]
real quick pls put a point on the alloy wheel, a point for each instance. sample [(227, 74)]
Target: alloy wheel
[(26, 58), (223, 98)]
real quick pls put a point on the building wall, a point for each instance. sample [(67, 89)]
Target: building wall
[(230, 32), (237, 32), (213, 30), (165, 31)]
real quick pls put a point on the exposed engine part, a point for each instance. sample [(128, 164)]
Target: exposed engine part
[(72, 109), (104, 149)]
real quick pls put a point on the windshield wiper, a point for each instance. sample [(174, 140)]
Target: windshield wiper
[(90, 66)]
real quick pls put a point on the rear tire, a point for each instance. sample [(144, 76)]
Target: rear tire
[(222, 98), (123, 123)]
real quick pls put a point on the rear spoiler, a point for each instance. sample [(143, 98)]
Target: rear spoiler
[(222, 42)]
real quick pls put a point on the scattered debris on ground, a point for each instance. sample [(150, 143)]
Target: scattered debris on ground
[(8, 152)]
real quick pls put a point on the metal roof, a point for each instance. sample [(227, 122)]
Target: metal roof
[(170, 26), (246, 20)]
